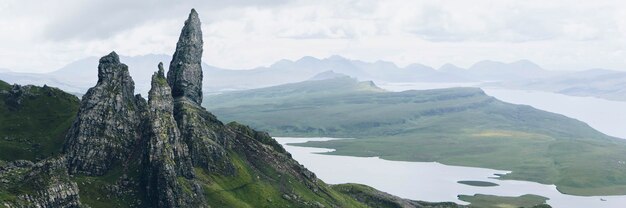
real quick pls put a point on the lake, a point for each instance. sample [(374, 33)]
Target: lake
[(431, 181), (427, 181)]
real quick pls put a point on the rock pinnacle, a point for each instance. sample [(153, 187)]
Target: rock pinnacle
[(185, 72)]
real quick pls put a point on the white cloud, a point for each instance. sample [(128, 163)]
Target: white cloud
[(560, 34)]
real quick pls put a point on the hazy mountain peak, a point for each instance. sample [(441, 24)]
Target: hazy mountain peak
[(526, 63), (307, 59), (330, 74), (486, 64), (448, 67), (419, 66), (336, 58), (282, 62), (385, 63)]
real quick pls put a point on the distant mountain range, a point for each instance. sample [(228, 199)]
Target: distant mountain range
[(599, 83), (78, 76), (498, 71)]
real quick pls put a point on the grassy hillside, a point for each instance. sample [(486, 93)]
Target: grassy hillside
[(490, 201), (459, 126), (33, 121)]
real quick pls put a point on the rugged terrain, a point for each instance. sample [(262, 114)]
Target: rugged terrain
[(168, 151)]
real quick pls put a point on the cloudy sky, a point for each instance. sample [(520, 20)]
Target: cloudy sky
[(40, 36)]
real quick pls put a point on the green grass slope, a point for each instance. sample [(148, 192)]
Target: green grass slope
[(490, 201), (376, 198), (458, 126), (33, 121)]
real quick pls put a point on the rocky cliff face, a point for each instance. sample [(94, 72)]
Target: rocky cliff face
[(168, 161), (108, 121)]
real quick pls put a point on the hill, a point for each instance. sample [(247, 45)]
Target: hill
[(457, 126), (33, 121)]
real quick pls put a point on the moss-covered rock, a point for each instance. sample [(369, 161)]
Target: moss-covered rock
[(42, 184)]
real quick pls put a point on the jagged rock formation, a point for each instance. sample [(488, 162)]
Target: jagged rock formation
[(167, 152), (185, 73), (168, 157), (108, 121)]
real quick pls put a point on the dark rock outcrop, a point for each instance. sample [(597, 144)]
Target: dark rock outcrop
[(185, 73), (42, 184), (107, 126)]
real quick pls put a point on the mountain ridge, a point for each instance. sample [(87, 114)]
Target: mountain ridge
[(76, 78)]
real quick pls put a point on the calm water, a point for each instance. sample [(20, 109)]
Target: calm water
[(427, 181), (606, 116)]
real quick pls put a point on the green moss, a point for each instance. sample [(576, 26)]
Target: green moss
[(185, 184), (160, 81), (95, 190)]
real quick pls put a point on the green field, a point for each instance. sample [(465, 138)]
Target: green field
[(458, 126)]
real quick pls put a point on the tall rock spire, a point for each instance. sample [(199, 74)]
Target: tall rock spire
[(185, 73)]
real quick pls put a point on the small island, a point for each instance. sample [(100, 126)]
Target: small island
[(478, 183)]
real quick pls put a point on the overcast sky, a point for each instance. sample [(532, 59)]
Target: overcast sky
[(39, 36)]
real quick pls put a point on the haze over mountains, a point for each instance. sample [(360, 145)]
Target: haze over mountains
[(78, 76)]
